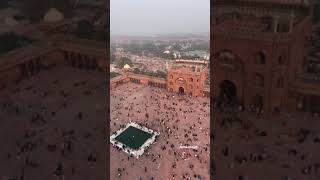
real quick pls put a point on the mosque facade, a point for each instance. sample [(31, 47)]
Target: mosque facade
[(52, 50), (259, 54), (188, 77), (184, 77)]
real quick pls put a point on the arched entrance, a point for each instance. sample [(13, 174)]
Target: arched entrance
[(181, 91), (258, 103), (228, 92), (181, 83)]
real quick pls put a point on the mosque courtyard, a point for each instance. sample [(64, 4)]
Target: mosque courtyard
[(182, 148), (282, 147), (53, 126)]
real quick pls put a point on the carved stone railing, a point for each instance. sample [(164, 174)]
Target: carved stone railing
[(27, 52), (309, 77), (230, 32)]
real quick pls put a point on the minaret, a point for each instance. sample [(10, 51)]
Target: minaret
[(291, 20), (275, 23)]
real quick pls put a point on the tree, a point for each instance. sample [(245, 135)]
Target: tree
[(150, 47), (10, 41), (136, 71), (112, 57), (34, 9), (176, 47), (84, 29), (191, 56), (113, 74), (134, 48), (123, 61), (161, 74)]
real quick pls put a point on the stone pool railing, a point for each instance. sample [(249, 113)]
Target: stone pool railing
[(128, 150)]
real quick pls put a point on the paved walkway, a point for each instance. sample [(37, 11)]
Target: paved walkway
[(281, 148), (52, 125), (180, 121)]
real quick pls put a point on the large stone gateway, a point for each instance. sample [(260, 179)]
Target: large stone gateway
[(262, 47), (184, 77), (187, 77)]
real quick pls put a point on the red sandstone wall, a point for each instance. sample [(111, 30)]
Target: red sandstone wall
[(54, 58), (10, 76), (244, 76), (102, 63), (194, 86), (291, 52), (144, 82)]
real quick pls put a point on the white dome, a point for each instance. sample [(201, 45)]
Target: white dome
[(127, 66), (53, 15), (10, 21)]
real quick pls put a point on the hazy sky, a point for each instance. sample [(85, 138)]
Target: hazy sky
[(142, 17)]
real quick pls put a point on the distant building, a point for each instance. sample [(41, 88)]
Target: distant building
[(175, 55), (184, 77)]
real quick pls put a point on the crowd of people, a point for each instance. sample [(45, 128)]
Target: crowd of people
[(51, 126), (281, 147), (182, 122)]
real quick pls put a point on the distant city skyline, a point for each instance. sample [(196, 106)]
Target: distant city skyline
[(151, 17)]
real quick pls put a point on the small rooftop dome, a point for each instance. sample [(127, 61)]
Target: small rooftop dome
[(53, 15), (126, 66), (10, 21)]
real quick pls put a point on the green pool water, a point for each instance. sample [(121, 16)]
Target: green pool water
[(133, 137)]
